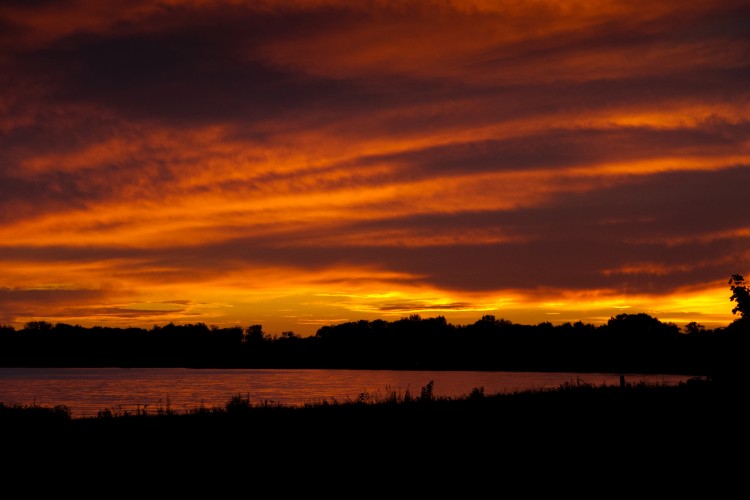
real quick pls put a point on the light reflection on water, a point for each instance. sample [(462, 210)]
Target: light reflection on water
[(85, 391)]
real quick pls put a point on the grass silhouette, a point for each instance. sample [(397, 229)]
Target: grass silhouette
[(576, 397), (578, 437)]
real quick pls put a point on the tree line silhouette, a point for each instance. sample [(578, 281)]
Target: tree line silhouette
[(627, 343)]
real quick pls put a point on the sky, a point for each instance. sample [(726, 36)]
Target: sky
[(297, 164)]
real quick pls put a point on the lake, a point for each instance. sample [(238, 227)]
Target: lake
[(85, 391)]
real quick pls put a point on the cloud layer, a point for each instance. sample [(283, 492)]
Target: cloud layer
[(303, 163)]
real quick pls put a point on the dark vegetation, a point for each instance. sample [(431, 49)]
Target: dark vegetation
[(627, 343), (700, 393), (580, 434)]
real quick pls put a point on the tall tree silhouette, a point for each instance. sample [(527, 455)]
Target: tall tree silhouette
[(740, 295)]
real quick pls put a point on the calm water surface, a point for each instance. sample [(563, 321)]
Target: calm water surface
[(85, 391)]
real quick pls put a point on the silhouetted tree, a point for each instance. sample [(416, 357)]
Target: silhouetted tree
[(254, 333), (489, 322), (38, 326), (740, 295), (640, 325), (694, 328)]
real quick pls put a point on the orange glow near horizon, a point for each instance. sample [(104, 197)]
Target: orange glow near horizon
[(369, 296), (298, 164)]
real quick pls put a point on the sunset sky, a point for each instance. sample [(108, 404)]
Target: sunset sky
[(303, 163)]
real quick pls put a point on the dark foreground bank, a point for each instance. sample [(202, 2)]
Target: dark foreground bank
[(603, 418), (578, 440)]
